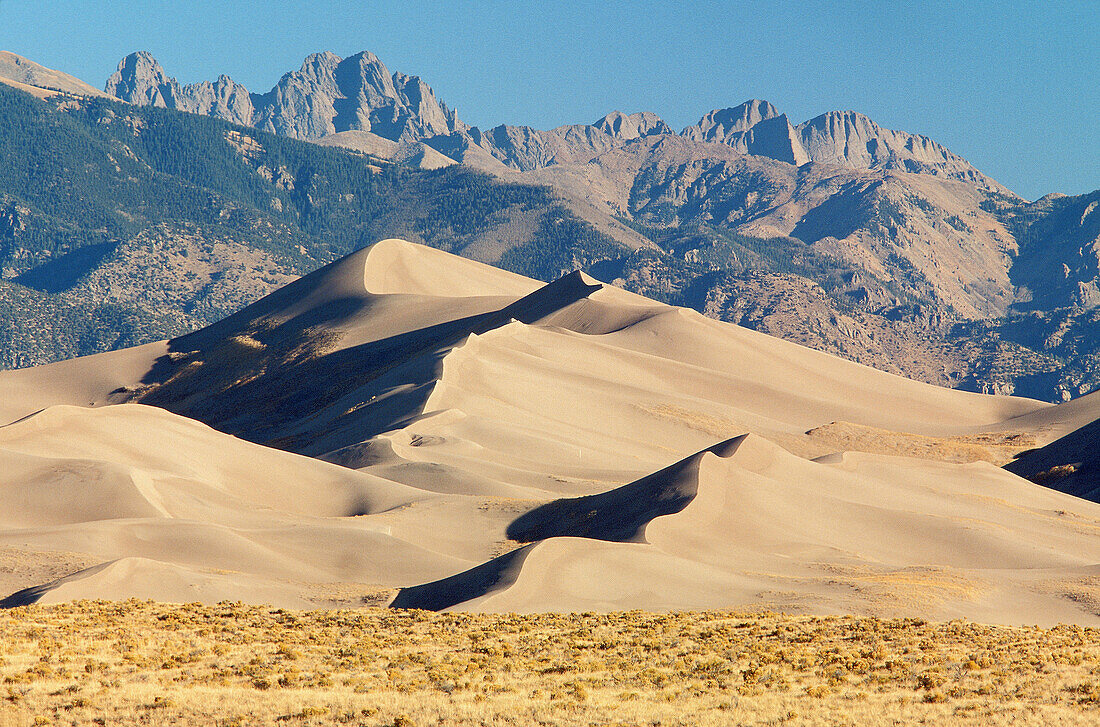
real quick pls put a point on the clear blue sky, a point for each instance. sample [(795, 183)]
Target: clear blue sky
[(1012, 86)]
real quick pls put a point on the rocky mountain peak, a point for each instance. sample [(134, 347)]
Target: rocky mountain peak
[(777, 139), (140, 80), (319, 64), (724, 125), (327, 94), (330, 94), (632, 126), (851, 139), (755, 127)]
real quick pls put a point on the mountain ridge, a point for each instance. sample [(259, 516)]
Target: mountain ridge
[(404, 108), (916, 273), (325, 95), (26, 74)]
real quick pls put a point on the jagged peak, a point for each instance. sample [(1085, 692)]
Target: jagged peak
[(750, 112), (140, 56), (141, 60), (760, 106), (720, 124), (847, 116), (632, 126), (141, 79), (324, 57), (365, 57)]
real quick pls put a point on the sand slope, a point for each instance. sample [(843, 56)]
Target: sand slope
[(747, 522), (449, 412), (136, 482)]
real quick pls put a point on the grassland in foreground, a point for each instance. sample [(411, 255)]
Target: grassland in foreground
[(157, 664)]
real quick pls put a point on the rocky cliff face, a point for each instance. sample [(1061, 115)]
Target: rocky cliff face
[(524, 149), (850, 139), (325, 96), (1059, 261), (755, 127), (729, 126), (329, 94), (140, 80), (911, 237), (842, 138), (625, 127)]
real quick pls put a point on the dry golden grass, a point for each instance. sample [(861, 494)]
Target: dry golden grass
[(157, 664)]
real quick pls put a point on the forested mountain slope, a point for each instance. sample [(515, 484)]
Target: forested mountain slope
[(128, 223)]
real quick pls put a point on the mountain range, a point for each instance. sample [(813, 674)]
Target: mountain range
[(329, 95), (878, 245)]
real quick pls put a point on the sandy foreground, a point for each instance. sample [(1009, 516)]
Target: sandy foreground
[(408, 426)]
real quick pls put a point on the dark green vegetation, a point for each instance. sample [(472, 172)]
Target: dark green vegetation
[(77, 182), (36, 326), (85, 181), (121, 225)]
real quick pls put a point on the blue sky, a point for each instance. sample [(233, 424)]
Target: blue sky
[(1012, 86)]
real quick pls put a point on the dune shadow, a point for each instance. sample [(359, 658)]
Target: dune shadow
[(467, 585), (34, 594), (256, 379), (1070, 464), (621, 514)]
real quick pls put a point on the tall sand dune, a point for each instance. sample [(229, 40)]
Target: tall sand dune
[(406, 420)]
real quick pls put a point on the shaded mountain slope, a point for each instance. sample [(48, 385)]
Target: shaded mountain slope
[(181, 220), (894, 253)]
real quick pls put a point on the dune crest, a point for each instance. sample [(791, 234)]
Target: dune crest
[(747, 522), (406, 420)]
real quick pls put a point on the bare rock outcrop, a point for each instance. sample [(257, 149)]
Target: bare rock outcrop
[(141, 80), (729, 126), (325, 96)]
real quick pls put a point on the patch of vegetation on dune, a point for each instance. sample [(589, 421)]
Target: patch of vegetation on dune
[(141, 662)]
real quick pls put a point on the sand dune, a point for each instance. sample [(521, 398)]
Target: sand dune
[(133, 481), (436, 412), (749, 523)]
